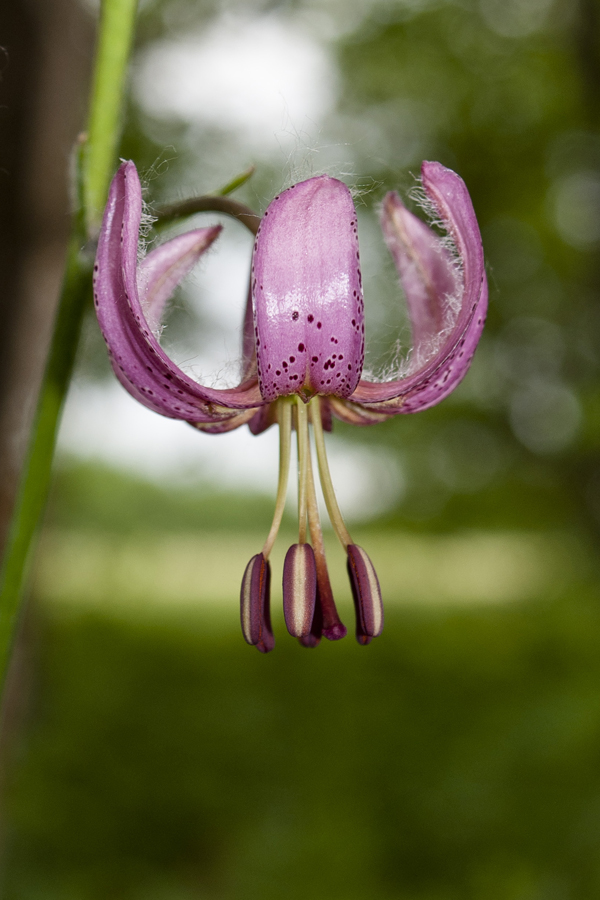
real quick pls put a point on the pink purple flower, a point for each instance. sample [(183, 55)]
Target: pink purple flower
[(302, 353)]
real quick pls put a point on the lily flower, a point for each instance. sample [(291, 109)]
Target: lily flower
[(302, 354)]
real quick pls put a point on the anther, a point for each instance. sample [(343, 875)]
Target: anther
[(313, 639), (299, 589), (255, 611), (366, 593)]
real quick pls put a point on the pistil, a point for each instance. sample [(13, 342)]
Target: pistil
[(331, 625), (303, 462)]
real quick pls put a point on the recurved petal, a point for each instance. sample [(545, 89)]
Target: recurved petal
[(233, 421), (358, 413), (248, 341), (163, 268), (428, 274), (139, 361), (439, 376)]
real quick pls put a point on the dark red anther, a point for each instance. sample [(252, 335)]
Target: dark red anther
[(299, 589), (313, 639), (366, 593), (255, 607)]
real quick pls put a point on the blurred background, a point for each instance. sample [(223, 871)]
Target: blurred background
[(147, 751)]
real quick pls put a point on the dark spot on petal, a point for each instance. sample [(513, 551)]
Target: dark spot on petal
[(295, 315), (301, 348), (310, 317), (319, 324)]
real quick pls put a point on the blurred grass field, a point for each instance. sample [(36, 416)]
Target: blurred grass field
[(159, 756)]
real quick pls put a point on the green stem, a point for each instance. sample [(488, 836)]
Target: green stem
[(209, 203), (96, 163), (36, 470), (117, 18)]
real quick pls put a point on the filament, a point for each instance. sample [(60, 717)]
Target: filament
[(335, 515), (284, 417)]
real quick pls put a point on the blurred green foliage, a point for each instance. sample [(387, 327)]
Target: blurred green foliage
[(455, 758), (512, 108), (90, 497)]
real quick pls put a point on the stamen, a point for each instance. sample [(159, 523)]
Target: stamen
[(299, 589), (366, 593), (313, 638), (303, 457), (363, 578), (333, 509), (284, 417), (255, 604), (325, 611)]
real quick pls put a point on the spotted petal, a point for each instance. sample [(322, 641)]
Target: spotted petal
[(307, 293), (139, 361), (434, 283)]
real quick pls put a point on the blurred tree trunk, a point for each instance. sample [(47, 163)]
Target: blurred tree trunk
[(46, 50), (582, 469), (45, 56)]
